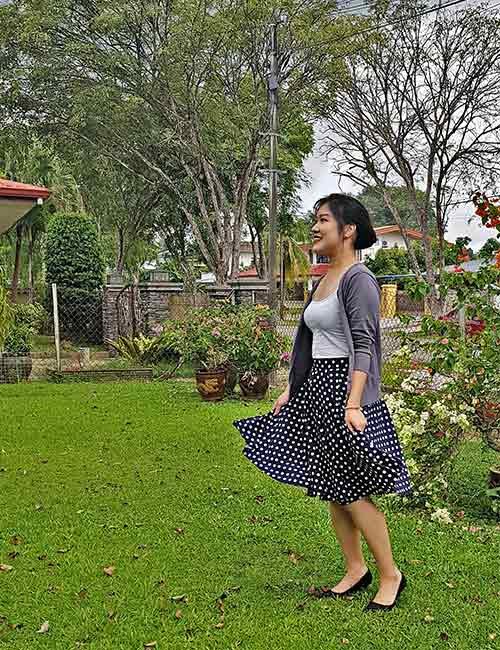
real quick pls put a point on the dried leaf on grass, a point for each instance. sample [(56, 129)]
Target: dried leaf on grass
[(43, 628)]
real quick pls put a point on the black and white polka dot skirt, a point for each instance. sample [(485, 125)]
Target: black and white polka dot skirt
[(308, 443)]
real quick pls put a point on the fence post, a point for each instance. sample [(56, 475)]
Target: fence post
[(55, 307)]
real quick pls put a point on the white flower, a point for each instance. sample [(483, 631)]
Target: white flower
[(442, 515)]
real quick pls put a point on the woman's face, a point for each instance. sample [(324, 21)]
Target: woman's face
[(327, 240)]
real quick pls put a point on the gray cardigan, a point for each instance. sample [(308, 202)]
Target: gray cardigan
[(359, 298)]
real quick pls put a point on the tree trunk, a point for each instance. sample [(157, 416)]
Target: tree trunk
[(262, 268), (120, 254), (397, 217), (31, 280), (17, 264)]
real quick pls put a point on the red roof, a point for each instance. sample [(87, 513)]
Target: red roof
[(10, 189), (314, 270)]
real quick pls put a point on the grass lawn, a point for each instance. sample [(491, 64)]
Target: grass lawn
[(208, 552)]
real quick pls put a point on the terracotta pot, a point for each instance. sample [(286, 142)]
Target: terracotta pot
[(231, 378), (14, 369), (254, 384), (211, 384)]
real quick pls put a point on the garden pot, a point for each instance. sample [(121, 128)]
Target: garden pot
[(14, 369), (488, 411), (494, 477), (254, 384), (211, 384), (231, 378)]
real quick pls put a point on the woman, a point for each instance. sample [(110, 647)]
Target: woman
[(330, 431)]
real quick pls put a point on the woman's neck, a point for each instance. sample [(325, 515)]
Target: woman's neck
[(340, 263)]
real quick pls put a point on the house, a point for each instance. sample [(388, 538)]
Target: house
[(16, 200), (390, 237)]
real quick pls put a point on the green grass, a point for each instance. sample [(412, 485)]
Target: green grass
[(93, 476)]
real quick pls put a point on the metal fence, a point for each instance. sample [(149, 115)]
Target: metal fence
[(74, 342)]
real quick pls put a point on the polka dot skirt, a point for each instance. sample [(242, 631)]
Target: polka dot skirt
[(308, 443)]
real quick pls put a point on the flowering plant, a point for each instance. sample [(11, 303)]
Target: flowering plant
[(430, 425), (260, 346), (203, 337), (488, 209)]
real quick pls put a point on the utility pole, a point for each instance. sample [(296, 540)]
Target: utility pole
[(273, 172)]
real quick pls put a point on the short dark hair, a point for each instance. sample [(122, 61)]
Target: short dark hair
[(348, 210)]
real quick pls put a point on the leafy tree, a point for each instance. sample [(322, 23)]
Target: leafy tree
[(175, 93), (373, 199), (489, 248), (389, 261)]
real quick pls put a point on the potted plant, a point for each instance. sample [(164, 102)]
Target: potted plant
[(201, 339), (16, 363), (258, 351)]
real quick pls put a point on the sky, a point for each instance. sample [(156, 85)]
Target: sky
[(323, 181)]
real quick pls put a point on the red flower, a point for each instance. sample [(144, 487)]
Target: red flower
[(458, 269)]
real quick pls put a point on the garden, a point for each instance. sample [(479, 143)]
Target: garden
[(130, 518)]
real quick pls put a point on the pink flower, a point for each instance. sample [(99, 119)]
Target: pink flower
[(216, 332), (444, 341), (285, 356), (458, 269)]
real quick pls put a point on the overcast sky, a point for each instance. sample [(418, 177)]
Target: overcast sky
[(323, 181)]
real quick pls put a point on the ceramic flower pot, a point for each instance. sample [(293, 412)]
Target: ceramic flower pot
[(211, 384), (254, 384), (14, 368)]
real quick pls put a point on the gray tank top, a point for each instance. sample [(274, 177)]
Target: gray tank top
[(322, 317)]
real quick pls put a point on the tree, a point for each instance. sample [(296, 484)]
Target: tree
[(26, 158), (74, 261), (489, 248), (176, 93), (389, 261), (373, 199), (423, 110)]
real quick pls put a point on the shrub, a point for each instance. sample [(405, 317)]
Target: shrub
[(73, 253), (19, 340), (430, 424), (33, 315)]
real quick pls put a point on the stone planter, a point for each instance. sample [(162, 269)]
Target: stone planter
[(211, 384), (254, 384), (14, 369), (231, 378), (489, 413), (494, 481)]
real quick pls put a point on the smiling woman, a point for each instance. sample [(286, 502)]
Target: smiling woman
[(331, 431)]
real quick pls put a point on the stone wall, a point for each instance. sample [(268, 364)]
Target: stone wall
[(159, 300)]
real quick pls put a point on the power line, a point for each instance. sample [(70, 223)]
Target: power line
[(375, 28)]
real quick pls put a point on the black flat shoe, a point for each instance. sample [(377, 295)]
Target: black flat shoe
[(326, 592), (373, 605)]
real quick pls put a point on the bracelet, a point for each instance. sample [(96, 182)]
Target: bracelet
[(358, 408)]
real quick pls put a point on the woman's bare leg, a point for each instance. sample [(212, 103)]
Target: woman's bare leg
[(349, 537), (372, 524)]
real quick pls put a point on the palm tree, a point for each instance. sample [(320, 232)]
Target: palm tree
[(37, 163)]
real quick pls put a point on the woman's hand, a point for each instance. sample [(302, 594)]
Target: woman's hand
[(355, 420), (281, 401)]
